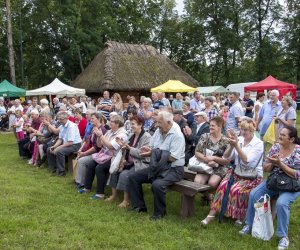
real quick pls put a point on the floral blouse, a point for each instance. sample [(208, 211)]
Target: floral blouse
[(293, 160), (205, 143)]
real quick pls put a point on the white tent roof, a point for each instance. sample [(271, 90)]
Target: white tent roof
[(212, 89), (239, 87), (56, 88)]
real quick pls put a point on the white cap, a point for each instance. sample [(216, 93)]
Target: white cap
[(201, 113)]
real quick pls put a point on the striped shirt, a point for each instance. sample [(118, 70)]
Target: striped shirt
[(105, 102)]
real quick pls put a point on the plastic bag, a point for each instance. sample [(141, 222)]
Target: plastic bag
[(199, 167), (262, 227), (270, 133)]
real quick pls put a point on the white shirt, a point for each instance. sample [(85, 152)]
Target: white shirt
[(254, 151), (199, 126)]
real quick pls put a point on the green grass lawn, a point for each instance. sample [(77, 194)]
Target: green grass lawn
[(38, 211)]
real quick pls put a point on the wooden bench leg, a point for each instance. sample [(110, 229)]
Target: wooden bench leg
[(187, 206), (70, 162)]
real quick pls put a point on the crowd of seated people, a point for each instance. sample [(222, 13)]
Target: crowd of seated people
[(151, 142)]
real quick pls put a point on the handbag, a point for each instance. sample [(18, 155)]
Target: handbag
[(278, 180), (103, 156), (43, 139), (198, 166), (242, 171), (262, 227)]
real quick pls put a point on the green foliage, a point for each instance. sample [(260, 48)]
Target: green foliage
[(216, 41)]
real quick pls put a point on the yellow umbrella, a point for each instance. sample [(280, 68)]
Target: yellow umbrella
[(173, 86)]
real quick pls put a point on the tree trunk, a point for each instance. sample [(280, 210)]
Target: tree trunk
[(10, 44), (80, 59)]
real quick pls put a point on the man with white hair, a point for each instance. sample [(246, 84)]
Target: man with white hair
[(56, 105), (193, 134), (268, 111), (69, 141), (166, 149)]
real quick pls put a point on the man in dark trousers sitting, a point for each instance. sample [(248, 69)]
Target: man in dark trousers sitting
[(166, 149)]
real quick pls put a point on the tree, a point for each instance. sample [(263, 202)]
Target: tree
[(10, 44), (262, 16)]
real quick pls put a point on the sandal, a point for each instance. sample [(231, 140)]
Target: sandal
[(110, 199), (124, 204), (207, 220)]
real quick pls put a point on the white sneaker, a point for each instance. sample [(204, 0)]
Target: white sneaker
[(283, 243), (238, 223), (30, 162), (246, 230)]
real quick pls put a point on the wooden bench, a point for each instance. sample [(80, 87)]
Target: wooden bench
[(188, 190), (70, 163)]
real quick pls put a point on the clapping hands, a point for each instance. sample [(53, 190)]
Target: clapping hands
[(232, 138), (145, 151), (97, 132), (274, 160), (122, 143)]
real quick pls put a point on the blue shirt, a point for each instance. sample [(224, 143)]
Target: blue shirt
[(158, 104), (194, 104), (266, 114), (235, 111), (177, 104), (173, 142), (69, 132), (88, 130)]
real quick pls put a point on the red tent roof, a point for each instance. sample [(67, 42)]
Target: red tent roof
[(272, 83)]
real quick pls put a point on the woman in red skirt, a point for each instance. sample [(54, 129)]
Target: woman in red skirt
[(247, 152)]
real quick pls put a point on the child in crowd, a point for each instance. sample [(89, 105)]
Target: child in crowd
[(27, 123), (224, 111), (18, 124)]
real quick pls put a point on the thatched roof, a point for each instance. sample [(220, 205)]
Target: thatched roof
[(127, 67)]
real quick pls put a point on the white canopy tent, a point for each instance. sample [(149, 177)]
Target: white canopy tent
[(239, 87), (56, 88), (212, 89)]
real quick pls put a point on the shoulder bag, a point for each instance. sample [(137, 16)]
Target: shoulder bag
[(278, 180), (103, 156), (243, 171)]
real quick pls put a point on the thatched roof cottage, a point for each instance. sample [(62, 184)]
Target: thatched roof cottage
[(129, 69)]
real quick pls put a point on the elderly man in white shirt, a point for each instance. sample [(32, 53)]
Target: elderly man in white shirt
[(69, 142), (168, 141)]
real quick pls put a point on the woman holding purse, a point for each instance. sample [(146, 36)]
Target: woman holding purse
[(102, 160), (246, 151), (132, 160), (283, 159), (210, 150)]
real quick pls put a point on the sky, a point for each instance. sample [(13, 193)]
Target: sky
[(179, 6)]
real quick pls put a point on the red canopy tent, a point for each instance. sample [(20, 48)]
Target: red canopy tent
[(272, 83)]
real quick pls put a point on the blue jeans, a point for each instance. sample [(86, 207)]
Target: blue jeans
[(285, 199)]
